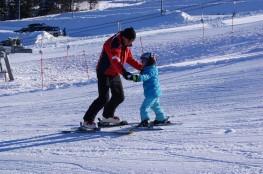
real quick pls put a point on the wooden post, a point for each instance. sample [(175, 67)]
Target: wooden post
[(203, 23), (141, 45), (162, 10), (41, 69), (19, 9), (119, 26), (67, 50), (233, 15)]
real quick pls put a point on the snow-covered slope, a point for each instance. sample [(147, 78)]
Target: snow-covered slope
[(212, 83)]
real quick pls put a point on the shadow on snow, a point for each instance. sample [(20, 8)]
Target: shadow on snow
[(50, 139)]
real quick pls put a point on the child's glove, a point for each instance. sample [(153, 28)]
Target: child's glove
[(135, 78), (129, 76)]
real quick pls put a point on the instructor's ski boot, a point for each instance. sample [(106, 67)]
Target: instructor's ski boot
[(89, 125), (111, 122)]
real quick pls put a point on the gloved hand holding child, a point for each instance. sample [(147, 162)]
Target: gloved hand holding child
[(129, 76)]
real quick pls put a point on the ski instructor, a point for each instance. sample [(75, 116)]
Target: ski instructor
[(114, 55)]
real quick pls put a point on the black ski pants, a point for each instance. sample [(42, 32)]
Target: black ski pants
[(106, 84)]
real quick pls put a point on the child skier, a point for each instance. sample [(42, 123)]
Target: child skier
[(152, 92)]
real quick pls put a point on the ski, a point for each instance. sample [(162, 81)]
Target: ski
[(119, 132), (82, 129), (166, 124), (152, 128), (137, 128)]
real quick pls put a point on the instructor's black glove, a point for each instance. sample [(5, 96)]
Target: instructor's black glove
[(127, 75)]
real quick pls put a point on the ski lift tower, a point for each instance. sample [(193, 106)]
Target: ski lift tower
[(4, 51), (3, 55)]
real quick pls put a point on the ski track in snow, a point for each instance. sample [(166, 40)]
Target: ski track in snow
[(200, 141)]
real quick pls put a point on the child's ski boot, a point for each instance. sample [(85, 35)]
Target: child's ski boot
[(144, 123), (161, 123)]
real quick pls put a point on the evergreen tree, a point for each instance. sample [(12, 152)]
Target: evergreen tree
[(12, 9), (2, 10), (31, 8), (66, 5), (92, 4), (26, 8), (49, 7)]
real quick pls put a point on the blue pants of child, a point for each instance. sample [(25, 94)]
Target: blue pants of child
[(151, 103)]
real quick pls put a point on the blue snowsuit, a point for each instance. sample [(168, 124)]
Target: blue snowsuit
[(152, 92)]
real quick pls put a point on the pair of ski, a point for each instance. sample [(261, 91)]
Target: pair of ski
[(82, 129), (124, 128)]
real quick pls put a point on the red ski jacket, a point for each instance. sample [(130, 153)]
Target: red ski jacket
[(114, 55)]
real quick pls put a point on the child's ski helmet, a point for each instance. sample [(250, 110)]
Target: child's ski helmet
[(149, 58), (146, 56)]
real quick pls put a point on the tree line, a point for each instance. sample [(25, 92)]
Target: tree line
[(18, 9)]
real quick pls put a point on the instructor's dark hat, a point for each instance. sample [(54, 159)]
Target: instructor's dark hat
[(129, 33)]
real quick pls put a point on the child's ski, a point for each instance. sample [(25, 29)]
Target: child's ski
[(152, 128), (137, 127), (166, 124)]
